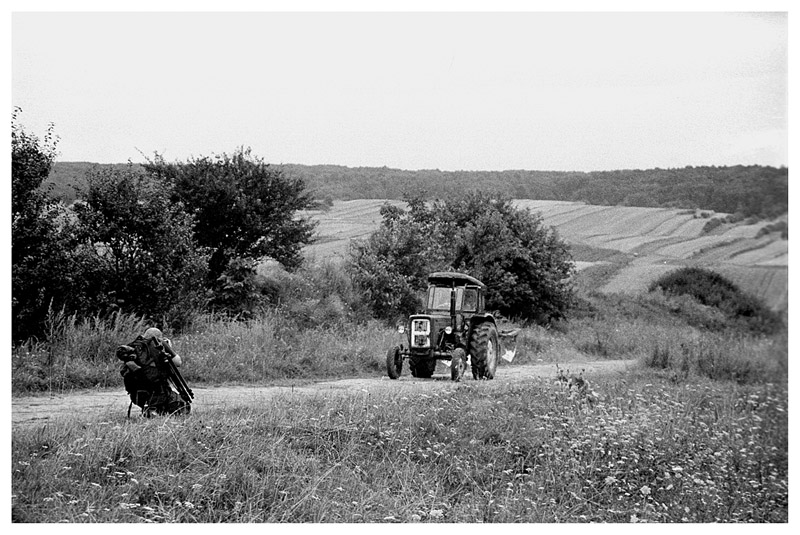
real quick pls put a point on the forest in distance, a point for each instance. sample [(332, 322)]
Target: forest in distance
[(755, 191)]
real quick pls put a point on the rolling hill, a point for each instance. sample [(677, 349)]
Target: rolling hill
[(628, 247)]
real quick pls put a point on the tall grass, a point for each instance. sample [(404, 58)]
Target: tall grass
[(650, 450), (743, 359), (272, 347), (278, 345), (75, 354), (217, 349)]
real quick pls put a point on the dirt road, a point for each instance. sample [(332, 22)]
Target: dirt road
[(40, 409)]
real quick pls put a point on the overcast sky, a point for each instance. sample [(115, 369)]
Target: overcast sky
[(475, 91)]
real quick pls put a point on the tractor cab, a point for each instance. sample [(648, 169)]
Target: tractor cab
[(467, 292), (455, 295)]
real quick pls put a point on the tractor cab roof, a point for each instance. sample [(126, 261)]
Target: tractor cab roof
[(452, 278)]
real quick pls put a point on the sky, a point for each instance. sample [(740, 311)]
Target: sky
[(492, 90)]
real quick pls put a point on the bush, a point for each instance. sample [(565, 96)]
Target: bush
[(712, 224), (778, 226), (713, 290), (735, 218)]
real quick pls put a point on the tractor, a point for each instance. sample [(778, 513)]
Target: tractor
[(454, 328)]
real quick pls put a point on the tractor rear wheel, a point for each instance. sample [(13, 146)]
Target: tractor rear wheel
[(483, 351), (394, 363), (422, 367), (457, 364)]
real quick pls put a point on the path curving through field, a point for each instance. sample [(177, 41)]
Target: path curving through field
[(40, 409)]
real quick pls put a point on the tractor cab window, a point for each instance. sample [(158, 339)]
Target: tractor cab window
[(466, 299), (470, 300), (439, 298)]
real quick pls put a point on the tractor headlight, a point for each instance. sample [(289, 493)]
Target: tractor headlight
[(448, 330), (401, 328)]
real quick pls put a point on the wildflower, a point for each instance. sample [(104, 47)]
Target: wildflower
[(436, 513), (610, 480), (645, 490), (415, 518), (634, 519)]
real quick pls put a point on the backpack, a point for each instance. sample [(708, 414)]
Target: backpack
[(143, 352), (147, 387)]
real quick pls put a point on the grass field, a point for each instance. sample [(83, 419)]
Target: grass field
[(650, 242), (650, 450)]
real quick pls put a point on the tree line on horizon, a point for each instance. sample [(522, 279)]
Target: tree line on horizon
[(749, 191)]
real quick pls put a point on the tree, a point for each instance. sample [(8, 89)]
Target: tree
[(38, 259), (31, 161), (525, 266), (243, 207), (392, 265), (137, 247)]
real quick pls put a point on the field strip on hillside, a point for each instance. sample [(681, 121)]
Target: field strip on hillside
[(637, 276), (774, 252), (688, 248), (584, 217)]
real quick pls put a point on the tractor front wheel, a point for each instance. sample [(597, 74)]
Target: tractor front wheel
[(458, 364), (394, 363)]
